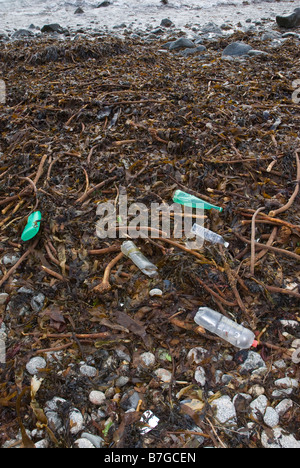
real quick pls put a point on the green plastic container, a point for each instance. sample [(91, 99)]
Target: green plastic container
[(190, 200), (32, 227)]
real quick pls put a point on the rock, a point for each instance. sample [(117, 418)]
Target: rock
[(51, 28), (166, 23), (291, 21), (76, 421), (163, 374), (259, 406), (88, 371), (200, 376), (97, 397), (271, 417), (35, 364), (279, 439), (22, 33), (257, 53), (148, 359), (83, 443), (10, 259), (97, 441), (37, 302), (78, 11), (103, 4), (121, 381), (284, 406), (195, 51), (237, 49), (225, 410), (3, 298), (197, 354), (253, 361), (182, 43)]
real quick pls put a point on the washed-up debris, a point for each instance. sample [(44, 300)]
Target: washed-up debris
[(194, 202), (225, 328), (32, 227), (130, 250), (207, 234)]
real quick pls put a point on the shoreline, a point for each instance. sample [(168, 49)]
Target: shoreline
[(115, 21)]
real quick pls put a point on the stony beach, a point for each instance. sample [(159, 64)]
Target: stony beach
[(91, 356)]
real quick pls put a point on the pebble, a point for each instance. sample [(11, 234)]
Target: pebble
[(35, 364), (200, 376), (259, 406), (271, 417), (9, 259), (37, 302), (97, 441), (163, 374), (97, 397), (76, 421), (83, 443), (148, 359), (155, 292), (253, 361), (3, 298), (279, 439), (88, 371), (225, 410)]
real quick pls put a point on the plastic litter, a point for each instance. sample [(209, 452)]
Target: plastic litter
[(32, 227), (208, 235), (186, 199), (149, 421), (225, 328), (130, 250)]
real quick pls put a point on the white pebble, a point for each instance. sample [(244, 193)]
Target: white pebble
[(156, 292), (35, 364), (88, 371), (163, 374), (76, 421), (259, 406), (200, 376), (271, 417), (84, 443), (148, 359), (225, 410), (96, 397)]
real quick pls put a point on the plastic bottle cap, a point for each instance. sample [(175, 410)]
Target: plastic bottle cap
[(255, 343)]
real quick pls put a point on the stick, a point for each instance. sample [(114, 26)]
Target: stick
[(253, 240), (105, 286), (21, 260), (295, 193), (89, 192)]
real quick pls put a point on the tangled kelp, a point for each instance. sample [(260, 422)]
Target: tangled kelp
[(83, 121)]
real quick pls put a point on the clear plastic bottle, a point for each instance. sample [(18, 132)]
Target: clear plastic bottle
[(130, 250), (226, 328), (208, 235)]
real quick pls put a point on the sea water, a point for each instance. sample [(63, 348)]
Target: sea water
[(136, 14)]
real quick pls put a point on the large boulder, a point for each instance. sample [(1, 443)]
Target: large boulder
[(291, 21)]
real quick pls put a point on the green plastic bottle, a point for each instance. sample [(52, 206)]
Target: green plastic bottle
[(190, 200), (32, 227)]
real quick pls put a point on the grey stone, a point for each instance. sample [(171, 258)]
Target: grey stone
[(21, 33), (236, 49), (37, 302), (291, 21), (166, 23), (271, 417), (35, 364), (253, 361), (182, 43), (259, 406), (200, 376), (225, 410)]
